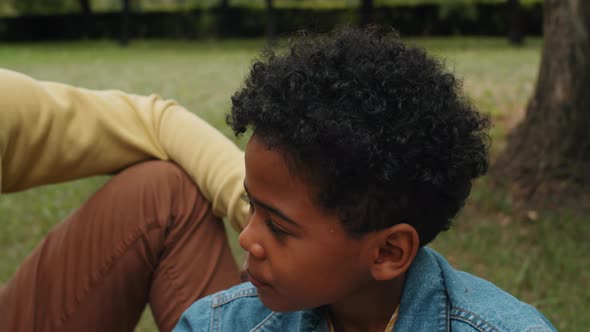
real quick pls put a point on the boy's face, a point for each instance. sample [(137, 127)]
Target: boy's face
[(299, 254)]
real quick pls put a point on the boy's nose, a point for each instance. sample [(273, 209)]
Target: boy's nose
[(249, 241)]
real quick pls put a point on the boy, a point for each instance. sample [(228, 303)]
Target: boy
[(362, 151)]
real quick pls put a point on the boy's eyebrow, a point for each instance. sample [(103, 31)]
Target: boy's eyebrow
[(270, 208)]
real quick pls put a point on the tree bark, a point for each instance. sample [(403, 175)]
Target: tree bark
[(85, 6), (515, 33), (86, 10), (547, 158), (271, 25), (222, 19), (125, 13), (366, 12)]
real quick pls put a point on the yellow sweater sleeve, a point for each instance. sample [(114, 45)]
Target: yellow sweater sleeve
[(51, 132)]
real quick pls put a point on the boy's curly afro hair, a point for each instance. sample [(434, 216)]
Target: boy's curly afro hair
[(379, 129)]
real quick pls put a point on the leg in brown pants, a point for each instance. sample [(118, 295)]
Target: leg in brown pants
[(147, 236)]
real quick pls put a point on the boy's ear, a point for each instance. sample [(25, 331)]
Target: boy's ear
[(394, 251)]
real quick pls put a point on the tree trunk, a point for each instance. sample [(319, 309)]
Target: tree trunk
[(86, 16), (547, 158), (85, 6), (515, 34), (366, 12), (271, 25), (124, 37), (222, 19)]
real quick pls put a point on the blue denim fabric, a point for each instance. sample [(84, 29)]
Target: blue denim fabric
[(436, 298)]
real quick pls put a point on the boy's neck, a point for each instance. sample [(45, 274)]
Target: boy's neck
[(369, 310)]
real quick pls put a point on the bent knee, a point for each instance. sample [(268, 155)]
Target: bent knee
[(156, 175)]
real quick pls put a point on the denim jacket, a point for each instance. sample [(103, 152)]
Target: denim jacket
[(436, 297)]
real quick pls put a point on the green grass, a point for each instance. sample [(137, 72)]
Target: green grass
[(542, 262)]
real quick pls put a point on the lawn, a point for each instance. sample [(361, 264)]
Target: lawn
[(540, 260)]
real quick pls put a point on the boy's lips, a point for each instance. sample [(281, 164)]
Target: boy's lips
[(257, 282)]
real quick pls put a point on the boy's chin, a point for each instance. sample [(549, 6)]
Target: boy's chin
[(278, 304)]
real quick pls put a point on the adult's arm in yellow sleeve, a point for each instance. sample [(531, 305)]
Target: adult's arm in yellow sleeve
[(51, 132)]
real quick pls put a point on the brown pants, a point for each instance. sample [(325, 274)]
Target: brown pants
[(147, 236)]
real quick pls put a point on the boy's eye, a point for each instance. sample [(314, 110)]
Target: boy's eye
[(277, 231), (274, 229)]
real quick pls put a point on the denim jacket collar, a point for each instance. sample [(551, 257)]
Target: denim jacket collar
[(307, 320), (436, 298), (425, 304)]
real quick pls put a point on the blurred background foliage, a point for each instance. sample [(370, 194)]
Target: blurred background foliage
[(36, 20), (11, 8)]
